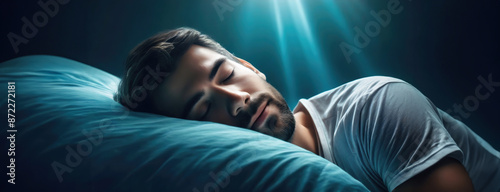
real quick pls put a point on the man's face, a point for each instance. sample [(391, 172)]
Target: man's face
[(207, 86)]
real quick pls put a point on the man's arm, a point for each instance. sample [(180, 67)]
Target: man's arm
[(446, 175), (408, 146)]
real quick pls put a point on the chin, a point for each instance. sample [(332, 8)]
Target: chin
[(284, 128)]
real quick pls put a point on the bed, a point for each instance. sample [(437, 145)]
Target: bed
[(72, 136)]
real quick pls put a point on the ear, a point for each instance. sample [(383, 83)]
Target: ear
[(250, 66)]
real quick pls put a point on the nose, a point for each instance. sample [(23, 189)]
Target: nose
[(233, 99)]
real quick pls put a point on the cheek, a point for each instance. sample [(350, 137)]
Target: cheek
[(221, 117), (251, 82)]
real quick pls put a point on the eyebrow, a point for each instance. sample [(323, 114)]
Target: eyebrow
[(193, 100)]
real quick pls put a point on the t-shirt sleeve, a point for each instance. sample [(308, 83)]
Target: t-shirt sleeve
[(403, 134)]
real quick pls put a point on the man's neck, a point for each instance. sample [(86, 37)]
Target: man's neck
[(305, 132)]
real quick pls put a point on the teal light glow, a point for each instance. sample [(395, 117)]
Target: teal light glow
[(306, 63), (297, 42), (289, 81), (310, 49), (345, 30)]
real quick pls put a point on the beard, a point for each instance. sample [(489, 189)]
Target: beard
[(281, 125)]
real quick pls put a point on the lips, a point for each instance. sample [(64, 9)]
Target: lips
[(259, 116)]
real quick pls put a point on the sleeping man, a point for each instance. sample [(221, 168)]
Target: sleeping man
[(381, 130)]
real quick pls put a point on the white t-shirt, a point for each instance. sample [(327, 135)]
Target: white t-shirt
[(383, 131)]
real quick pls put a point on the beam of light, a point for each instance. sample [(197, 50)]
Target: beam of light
[(289, 81), (305, 66), (322, 79), (347, 32), (244, 28)]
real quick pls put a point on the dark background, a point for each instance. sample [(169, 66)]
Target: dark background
[(440, 47)]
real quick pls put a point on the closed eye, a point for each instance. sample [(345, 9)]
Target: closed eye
[(228, 77)]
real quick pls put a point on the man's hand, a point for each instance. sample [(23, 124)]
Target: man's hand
[(446, 175)]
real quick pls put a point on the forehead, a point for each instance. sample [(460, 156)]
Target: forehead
[(192, 68), (197, 57)]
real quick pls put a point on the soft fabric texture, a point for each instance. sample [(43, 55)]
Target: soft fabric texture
[(383, 131), (72, 136)]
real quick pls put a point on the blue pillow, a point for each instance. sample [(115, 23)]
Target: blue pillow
[(72, 136)]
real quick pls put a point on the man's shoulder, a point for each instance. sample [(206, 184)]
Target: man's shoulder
[(357, 88), (348, 98), (376, 79)]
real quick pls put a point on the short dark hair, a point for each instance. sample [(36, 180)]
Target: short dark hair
[(158, 54)]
